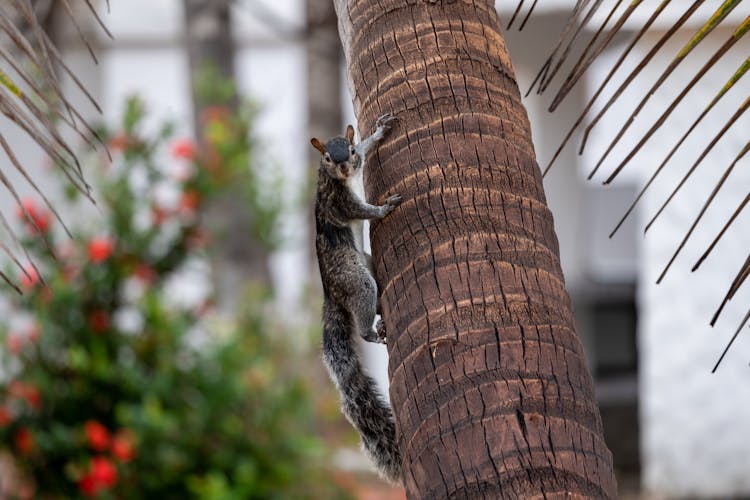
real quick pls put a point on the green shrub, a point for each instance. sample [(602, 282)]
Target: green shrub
[(113, 386)]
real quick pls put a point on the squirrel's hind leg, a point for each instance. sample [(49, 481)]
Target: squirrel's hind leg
[(363, 306)]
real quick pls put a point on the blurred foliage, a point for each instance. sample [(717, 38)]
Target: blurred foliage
[(113, 383), (224, 119)]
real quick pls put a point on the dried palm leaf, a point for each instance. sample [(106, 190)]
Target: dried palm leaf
[(597, 44), (736, 37), (732, 81), (736, 116), (515, 14), (742, 275), (549, 76), (708, 202), (731, 341), (528, 15), (585, 60), (33, 60), (699, 36), (615, 67), (716, 240), (580, 5)]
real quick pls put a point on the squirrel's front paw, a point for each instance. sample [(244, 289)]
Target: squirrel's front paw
[(386, 121), (394, 200), (391, 203)]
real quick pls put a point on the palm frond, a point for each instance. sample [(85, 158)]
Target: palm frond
[(585, 60), (708, 202), (736, 37), (732, 120), (569, 25), (528, 15), (550, 75), (732, 81), (742, 275), (644, 29), (723, 231), (694, 41), (581, 22), (731, 341), (31, 97)]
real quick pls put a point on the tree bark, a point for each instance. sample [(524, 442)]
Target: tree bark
[(489, 385)]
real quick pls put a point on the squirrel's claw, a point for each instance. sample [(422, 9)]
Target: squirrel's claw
[(394, 200), (380, 328), (386, 120)]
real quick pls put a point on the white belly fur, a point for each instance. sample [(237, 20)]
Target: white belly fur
[(357, 186)]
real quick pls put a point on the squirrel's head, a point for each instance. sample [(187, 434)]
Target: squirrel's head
[(338, 158)]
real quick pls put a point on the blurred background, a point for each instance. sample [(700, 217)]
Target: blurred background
[(178, 352)]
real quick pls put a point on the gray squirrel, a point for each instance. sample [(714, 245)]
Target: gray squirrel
[(350, 293)]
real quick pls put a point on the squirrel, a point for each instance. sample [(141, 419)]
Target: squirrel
[(350, 293)]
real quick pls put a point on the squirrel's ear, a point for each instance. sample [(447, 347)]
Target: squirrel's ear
[(318, 145), (350, 133)]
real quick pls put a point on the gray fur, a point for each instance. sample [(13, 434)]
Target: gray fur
[(351, 295)]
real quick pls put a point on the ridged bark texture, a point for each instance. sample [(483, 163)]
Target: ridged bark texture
[(489, 386)]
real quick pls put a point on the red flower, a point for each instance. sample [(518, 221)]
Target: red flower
[(103, 472), (38, 219), (184, 149), (119, 142), (69, 273), (32, 397), (5, 416), (97, 435), (16, 388), (30, 278), (189, 201), (99, 321), (159, 215), (24, 441), (88, 486), (34, 332), (215, 113), (102, 475), (145, 273), (100, 248), (123, 447), (14, 342), (27, 392)]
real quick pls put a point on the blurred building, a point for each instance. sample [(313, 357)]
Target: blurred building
[(675, 428)]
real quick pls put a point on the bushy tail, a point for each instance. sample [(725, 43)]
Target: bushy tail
[(360, 401)]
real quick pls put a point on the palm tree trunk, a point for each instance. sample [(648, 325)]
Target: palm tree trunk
[(489, 385)]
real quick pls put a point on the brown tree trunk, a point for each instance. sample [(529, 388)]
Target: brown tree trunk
[(489, 386)]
